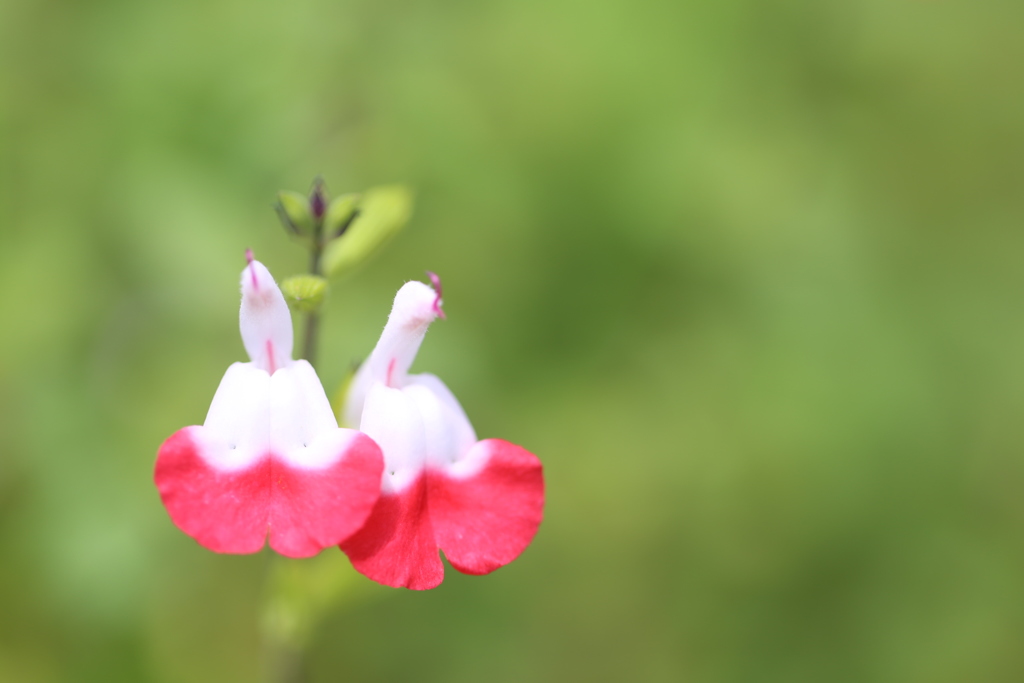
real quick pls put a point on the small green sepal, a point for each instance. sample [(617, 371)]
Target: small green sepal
[(293, 210), (340, 214), (305, 293)]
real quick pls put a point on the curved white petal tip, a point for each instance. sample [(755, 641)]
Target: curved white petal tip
[(264, 320)]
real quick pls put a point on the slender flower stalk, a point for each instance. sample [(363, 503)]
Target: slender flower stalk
[(317, 208)]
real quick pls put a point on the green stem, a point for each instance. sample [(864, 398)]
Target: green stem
[(312, 330), (313, 318), (287, 664), (283, 657)]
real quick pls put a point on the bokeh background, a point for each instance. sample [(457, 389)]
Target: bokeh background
[(746, 274)]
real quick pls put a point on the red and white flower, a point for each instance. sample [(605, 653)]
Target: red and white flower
[(479, 501), (270, 460)]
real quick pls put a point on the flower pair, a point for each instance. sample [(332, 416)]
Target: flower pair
[(271, 463)]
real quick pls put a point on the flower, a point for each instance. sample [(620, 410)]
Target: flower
[(270, 460), (479, 501)]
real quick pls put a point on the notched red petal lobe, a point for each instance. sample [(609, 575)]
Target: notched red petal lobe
[(223, 511), (485, 521), (302, 510), (482, 522), (396, 547), (313, 509)]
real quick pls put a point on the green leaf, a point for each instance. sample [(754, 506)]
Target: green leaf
[(383, 211), (293, 209), (304, 292)]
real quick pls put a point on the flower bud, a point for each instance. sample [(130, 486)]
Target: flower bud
[(317, 201)]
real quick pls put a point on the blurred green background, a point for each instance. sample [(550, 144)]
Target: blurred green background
[(745, 274)]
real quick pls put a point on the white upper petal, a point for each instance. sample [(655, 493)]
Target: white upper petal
[(273, 406), (264, 320), (415, 307), (449, 435), (239, 417), (421, 425), (254, 414), (415, 419), (299, 414), (392, 419)]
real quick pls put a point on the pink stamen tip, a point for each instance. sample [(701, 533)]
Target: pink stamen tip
[(435, 281), (252, 271)]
